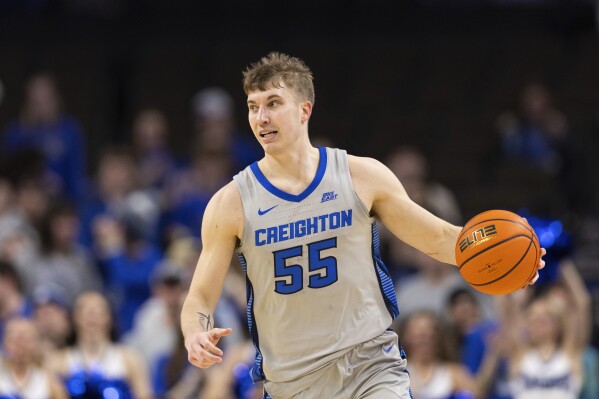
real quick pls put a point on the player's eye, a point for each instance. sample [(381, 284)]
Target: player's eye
[(273, 103), (253, 108)]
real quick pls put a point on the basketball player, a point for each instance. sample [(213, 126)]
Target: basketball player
[(302, 222)]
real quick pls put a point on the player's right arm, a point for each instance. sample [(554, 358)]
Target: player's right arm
[(221, 227)]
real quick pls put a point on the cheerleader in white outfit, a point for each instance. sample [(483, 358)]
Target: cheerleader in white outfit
[(546, 355), (96, 367), (21, 376), (432, 375)]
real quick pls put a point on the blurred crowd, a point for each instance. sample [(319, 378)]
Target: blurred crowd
[(94, 266)]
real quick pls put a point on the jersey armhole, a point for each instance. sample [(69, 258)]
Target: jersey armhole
[(344, 168), (242, 239)]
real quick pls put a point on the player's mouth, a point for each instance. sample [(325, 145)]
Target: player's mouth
[(267, 135)]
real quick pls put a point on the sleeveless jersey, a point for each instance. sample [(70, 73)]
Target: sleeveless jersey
[(37, 385), (316, 286), (546, 379)]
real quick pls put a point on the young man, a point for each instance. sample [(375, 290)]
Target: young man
[(302, 221)]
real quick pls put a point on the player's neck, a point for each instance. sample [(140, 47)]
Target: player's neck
[(298, 164)]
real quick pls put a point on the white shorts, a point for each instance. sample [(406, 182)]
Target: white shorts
[(374, 369)]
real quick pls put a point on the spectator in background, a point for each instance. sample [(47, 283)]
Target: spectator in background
[(44, 127), (546, 339), (432, 374), (411, 167), (534, 135), (155, 329), (154, 159), (474, 337), (127, 260), (431, 278), (52, 318), (571, 293), (190, 190), (32, 193), (215, 131), (175, 378), (95, 365), (12, 301), (536, 138), (464, 314), (21, 375), (184, 251), (117, 195), (63, 261), (18, 239)]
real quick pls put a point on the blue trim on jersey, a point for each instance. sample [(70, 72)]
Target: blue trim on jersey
[(256, 372), (322, 167), (383, 275)]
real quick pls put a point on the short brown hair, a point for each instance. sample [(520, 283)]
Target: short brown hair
[(276, 68)]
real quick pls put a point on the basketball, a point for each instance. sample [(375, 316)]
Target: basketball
[(497, 252)]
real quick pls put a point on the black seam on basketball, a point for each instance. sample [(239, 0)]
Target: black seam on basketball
[(528, 228), (508, 272), (492, 246)]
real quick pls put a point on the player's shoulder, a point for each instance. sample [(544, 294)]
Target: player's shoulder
[(228, 197), (225, 208), (362, 161), (365, 166)]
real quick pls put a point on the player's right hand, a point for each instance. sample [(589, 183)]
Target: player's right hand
[(201, 347)]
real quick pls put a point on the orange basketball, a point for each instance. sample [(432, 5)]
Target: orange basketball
[(497, 252)]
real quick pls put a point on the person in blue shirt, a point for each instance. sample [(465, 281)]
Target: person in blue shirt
[(43, 126)]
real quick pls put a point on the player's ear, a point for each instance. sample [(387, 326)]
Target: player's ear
[(306, 111)]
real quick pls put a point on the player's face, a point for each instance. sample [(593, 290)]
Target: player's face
[(277, 118)]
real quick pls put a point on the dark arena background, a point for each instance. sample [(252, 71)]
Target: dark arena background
[(474, 104)]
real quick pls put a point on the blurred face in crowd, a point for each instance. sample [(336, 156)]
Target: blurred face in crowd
[(42, 100), (410, 168), (116, 174), (91, 315), (170, 290), (64, 229), (535, 101), (213, 119), (150, 131), (21, 340), (420, 336), (543, 324), (277, 118), (53, 321), (33, 199), (464, 312)]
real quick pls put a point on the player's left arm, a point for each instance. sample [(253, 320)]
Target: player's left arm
[(385, 197)]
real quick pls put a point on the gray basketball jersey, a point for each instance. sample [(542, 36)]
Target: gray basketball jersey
[(316, 286)]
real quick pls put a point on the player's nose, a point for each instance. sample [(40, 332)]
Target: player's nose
[(262, 115)]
